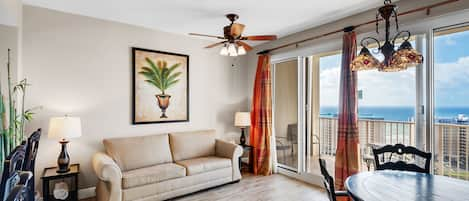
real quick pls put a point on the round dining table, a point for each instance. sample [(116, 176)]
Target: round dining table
[(390, 185)]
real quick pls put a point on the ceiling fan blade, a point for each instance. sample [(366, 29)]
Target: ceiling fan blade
[(236, 30), (245, 45), (215, 44), (262, 37), (206, 35)]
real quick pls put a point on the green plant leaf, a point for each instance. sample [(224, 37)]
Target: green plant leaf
[(172, 83), (173, 67), (174, 76), (154, 67)]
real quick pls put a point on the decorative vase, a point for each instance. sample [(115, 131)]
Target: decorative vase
[(163, 103)]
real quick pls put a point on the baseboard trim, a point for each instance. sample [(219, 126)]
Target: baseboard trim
[(86, 193)]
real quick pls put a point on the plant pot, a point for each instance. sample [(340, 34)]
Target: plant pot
[(163, 103)]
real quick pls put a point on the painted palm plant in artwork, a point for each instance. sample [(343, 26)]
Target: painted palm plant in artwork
[(162, 77)]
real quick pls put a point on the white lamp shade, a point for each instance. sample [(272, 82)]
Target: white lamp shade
[(241, 50), (232, 50), (64, 127), (224, 51), (242, 119)]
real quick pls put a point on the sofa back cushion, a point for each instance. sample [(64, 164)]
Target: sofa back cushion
[(138, 152), (187, 145)]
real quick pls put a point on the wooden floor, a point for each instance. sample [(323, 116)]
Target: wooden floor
[(259, 188)]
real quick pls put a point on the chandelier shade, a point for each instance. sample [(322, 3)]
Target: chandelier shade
[(365, 60), (408, 56), (405, 56)]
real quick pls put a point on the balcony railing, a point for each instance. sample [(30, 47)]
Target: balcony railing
[(451, 145)]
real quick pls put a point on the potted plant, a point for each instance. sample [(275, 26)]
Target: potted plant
[(162, 77)]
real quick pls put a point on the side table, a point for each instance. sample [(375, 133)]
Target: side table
[(50, 177), (246, 149)]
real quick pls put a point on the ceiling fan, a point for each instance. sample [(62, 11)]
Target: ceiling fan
[(233, 39)]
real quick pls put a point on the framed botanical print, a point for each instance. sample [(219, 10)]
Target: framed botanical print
[(160, 86)]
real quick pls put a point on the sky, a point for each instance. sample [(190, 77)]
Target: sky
[(398, 88)]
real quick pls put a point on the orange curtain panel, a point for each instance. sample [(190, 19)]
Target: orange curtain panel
[(347, 154), (261, 117)]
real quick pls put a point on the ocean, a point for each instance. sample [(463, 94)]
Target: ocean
[(397, 113)]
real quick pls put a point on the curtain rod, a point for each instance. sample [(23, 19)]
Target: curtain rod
[(425, 8)]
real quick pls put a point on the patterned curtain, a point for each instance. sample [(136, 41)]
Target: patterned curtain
[(347, 154), (261, 118)]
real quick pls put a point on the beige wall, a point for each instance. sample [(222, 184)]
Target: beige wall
[(286, 93), (8, 40), (82, 66)]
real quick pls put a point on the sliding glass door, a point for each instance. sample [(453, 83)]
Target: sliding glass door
[(324, 89), (286, 102), (451, 101)]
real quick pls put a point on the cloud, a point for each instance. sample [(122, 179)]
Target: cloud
[(452, 74), (451, 83), (390, 89), (399, 88)]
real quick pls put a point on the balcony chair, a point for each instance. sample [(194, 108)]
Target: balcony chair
[(403, 161), (329, 183)]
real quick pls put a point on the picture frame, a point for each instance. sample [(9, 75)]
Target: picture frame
[(160, 87)]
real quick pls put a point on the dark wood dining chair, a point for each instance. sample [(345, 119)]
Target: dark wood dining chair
[(29, 164), (18, 193), (388, 162), (12, 166), (329, 183)]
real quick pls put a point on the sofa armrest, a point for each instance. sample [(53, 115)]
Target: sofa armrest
[(231, 151), (110, 175)]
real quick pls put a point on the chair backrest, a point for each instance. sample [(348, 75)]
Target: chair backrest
[(328, 180), (387, 162), (31, 151), (18, 193), (13, 163), (292, 133)]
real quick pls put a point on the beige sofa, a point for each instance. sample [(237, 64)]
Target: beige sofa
[(160, 167)]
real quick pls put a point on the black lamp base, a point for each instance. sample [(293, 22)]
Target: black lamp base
[(242, 139), (63, 162)]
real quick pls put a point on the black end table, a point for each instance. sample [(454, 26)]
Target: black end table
[(246, 149), (50, 177)]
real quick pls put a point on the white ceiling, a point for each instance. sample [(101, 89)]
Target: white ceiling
[(207, 16)]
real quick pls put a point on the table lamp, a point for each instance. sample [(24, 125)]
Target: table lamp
[(64, 128), (242, 120)]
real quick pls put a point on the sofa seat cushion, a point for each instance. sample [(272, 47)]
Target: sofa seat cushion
[(152, 174), (204, 164)]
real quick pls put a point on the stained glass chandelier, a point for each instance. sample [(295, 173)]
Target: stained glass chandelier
[(405, 56)]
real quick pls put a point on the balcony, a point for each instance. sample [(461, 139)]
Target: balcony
[(451, 151)]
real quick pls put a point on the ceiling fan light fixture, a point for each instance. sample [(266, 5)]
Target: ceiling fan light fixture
[(224, 51), (232, 50), (241, 50)]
